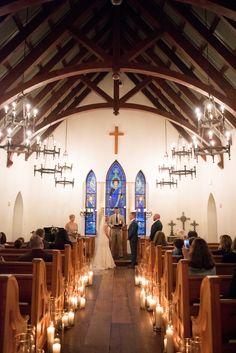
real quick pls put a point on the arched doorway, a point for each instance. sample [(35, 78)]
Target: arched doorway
[(17, 227), (212, 219)]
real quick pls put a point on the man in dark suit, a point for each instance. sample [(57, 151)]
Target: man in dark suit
[(156, 226), (133, 238), (37, 250)]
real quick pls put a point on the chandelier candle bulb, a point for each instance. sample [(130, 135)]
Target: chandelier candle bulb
[(50, 335), (90, 276), (169, 340)]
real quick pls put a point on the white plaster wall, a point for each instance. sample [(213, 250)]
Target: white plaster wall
[(141, 147)]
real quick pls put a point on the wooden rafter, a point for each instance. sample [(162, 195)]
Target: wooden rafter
[(8, 6)]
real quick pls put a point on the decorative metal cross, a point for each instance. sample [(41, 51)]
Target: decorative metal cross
[(194, 224), (116, 134), (183, 219), (171, 224)]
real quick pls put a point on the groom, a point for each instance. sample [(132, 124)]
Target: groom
[(133, 238), (116, 223)]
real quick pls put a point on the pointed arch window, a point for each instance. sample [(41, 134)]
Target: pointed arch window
[(115, 189), (140, 202), (91, 204)]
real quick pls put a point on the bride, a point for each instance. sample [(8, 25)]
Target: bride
[(102, 258)]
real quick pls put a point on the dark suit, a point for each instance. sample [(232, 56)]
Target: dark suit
[(133, 240), (36, 253), (156, 226)]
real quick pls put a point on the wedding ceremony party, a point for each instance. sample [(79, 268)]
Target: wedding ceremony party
[(117, 183)]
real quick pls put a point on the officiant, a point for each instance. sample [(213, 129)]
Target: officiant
[(116, 223)]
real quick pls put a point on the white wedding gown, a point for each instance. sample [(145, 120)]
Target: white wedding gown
[(102, 259)]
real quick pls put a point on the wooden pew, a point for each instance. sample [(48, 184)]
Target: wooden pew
[(11, 321), (168, 279), (216, 321), (186, 297)]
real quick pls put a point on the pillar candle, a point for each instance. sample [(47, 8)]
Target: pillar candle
[(137, 280), (90, 275), (149, 298), (71, 318), (158, 317), (65, 320), (50, 335), (169, 340), (56, 347), (142, 299), (82, 302)]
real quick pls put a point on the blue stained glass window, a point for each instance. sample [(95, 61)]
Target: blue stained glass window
[(91, 204), (140, 202), (115, 190)]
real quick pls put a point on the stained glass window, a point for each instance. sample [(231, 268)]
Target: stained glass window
[(91, 204), (115, 189), (140, 202)]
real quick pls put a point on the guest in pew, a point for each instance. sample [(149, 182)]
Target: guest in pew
[(37, 250), (178, 247), (200, 259), (156, 226), (232, 288), (224, 246), (41, 233), (18, 243), (230, 257), (159, 238), (192, 234), (61, 238), (72, 229), (3, 240)]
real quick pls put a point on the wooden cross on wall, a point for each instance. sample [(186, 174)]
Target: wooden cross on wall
[(116, 134), (183, 219), (171, 224), (194, 224)]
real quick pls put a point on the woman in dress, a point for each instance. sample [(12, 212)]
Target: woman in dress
[(102, 257), (72, 228)]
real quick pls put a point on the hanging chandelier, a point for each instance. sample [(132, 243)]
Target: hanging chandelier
[(18, 115), (182, 156), (165, 168), (64, 167), (42, 156)]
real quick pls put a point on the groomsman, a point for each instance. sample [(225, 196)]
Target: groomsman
[(116, 223), (133, 238), (156, 226)]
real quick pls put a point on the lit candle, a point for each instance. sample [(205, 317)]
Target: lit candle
[(74, 302), (137, 280), (56, 347), (158, 316), (142, 299), (86, 279), (90, 275), (152, 304), (71, 318), (50, 335), (82, 289), (82, 302), (169, 340), (149, 298), (65, 320)]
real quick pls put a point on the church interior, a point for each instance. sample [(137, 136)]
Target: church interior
[(127, 104)]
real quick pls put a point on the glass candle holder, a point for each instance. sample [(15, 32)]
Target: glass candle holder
[(23, 343)]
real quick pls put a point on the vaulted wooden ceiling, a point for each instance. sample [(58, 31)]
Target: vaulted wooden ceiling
[(175, 52)]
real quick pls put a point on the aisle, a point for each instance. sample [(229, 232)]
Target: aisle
[(112, 321)]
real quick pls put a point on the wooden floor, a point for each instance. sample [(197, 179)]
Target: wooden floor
[(112, 321)]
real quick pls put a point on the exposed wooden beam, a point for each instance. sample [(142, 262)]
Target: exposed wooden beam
[(138, 87), (226, 56), (90, 45), (8, 6), (228, 10), (96, 89), (116, 92)]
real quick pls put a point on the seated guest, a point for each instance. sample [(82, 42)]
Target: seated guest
[(3, 240), (178, 245), (61, 238), (192, 234), (72, 229), (159, 238), (37, 250), (18, 243), (41, 233), (200, 259), (232, 288), (225, 245), (230, 256)]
